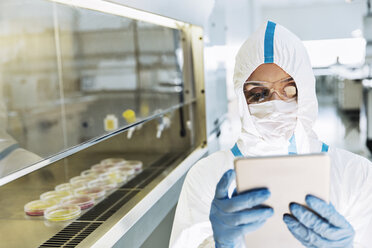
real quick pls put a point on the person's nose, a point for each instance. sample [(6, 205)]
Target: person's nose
[(275, 96)]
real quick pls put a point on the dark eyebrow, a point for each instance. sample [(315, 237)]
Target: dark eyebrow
[(288, 79), (254, 83)]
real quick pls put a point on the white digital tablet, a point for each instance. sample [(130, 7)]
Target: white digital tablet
[(290, 178)]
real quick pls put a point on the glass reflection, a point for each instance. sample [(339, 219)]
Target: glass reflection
[(29, 85), (68, 75)]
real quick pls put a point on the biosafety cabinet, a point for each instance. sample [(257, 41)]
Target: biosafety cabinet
[(102, 113)]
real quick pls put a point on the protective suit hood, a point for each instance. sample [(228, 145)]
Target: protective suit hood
[(272, 43)]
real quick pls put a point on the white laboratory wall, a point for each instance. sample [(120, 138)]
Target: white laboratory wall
[(314, 21), (346, 51), (240, 17), (215, 28)]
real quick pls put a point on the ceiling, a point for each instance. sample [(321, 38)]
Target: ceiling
[(279, 3)]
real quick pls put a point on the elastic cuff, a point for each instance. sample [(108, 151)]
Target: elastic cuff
[(219, 245)]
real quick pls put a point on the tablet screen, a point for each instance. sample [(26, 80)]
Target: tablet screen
[(289, 178)]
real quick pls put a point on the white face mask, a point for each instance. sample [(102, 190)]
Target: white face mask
[(275, 120)]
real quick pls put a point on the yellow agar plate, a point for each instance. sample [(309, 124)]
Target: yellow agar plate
[(62, 212)]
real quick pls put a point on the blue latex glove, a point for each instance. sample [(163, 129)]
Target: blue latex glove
[(319, 225), (233, 217)]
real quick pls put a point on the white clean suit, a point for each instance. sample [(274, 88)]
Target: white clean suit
[(351, 175)]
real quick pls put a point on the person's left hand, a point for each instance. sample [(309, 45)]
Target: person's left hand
[(319, 224)]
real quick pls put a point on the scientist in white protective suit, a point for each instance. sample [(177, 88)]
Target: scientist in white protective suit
[(275, 85)]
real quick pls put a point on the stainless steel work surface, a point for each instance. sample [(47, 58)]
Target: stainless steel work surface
[(18, 229), (25, 233)]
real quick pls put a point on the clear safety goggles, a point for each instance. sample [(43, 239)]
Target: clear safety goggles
[(261, 91)]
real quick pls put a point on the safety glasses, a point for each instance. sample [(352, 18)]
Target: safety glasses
[(261, 91)]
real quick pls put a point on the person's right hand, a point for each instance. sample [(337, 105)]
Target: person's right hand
[(234, 217)]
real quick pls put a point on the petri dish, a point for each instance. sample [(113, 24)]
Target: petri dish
[(55, 195), (90, 173), (94, 192), (106, 184), (112, 161), (37, 208), (84, 201), (128, 170), (102, 167), (64, 187), (80, 181), (114, 176), (135, 164), (62, 212)]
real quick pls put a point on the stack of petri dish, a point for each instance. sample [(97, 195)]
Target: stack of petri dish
[(68, 199)]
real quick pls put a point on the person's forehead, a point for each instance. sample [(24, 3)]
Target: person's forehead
[(268, 72)]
